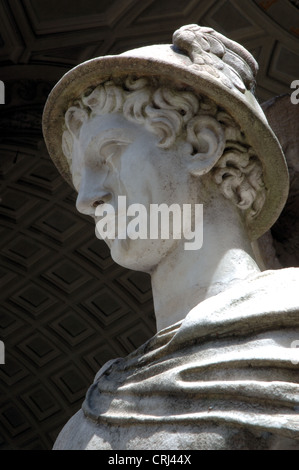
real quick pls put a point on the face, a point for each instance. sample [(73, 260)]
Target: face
[(114, 157)]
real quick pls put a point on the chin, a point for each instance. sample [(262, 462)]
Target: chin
[(132, 254)]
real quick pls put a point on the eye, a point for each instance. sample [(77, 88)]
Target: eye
[(113, 149)]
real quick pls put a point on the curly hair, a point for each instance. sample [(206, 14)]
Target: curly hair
[(170, 113)]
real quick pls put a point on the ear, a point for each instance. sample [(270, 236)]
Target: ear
[(207, 139)]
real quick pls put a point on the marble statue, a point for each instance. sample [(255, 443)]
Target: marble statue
[(179, 124)]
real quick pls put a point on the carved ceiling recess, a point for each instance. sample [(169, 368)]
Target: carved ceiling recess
[(66, 307)]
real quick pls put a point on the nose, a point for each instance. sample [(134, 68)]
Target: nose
[(87, 202), (91, 195)]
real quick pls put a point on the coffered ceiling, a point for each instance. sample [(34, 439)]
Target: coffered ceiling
[(66, 307), (47, 38)]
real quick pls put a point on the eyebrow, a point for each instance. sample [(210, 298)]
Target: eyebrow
[(116, 142), (113, 134)]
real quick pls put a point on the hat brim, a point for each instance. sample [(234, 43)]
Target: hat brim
[(169, 66)]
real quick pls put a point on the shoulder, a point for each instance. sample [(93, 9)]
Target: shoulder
[(80, 433)]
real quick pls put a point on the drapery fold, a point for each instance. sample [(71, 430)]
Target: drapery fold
[(232, 362)]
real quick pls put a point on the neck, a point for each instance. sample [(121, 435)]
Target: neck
[(183, 278)]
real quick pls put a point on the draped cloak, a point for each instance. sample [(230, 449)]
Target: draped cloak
[(227, 377)]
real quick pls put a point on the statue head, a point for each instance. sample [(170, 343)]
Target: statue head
[(183, 115)]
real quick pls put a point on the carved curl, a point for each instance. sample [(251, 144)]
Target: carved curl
[(239, 174), (170, 114)]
